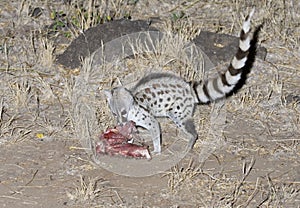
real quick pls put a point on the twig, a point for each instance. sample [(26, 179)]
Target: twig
[(33, 176)]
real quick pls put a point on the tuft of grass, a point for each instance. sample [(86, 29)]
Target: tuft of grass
[(180, 176), (91, 189), (186, 28), (46, 57), (79, 16), (22, 92)]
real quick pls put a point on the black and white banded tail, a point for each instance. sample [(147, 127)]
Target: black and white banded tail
[(220, 86)]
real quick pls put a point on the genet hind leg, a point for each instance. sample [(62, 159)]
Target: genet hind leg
[(190, 129), (187, 125)]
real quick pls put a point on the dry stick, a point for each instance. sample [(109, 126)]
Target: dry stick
[(10, 122), (253, 194), (6, 57), (32, 178), (246, 172), (10, 197), (1, 110), (264, 200), (283, 140), (119, 197)]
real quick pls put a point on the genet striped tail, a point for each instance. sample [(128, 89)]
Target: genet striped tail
[(220, 86)]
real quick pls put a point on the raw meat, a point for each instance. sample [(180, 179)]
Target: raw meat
[(117, 141)]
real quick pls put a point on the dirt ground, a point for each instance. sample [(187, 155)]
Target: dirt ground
[(253, 161)]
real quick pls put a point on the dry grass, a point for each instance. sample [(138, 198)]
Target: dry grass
[(260, 119), (177, 177), (90, 190), (192, 185), (46, 56)]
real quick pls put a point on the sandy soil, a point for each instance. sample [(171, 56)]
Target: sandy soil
[(254, 162)]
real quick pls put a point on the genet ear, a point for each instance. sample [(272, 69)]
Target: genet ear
[(108, 94)]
